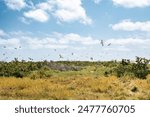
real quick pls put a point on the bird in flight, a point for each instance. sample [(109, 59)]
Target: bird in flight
[(91, 58), (102, 42), (109, 44), (60, 56), (30, 58)]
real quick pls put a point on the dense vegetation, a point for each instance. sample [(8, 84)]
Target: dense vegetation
[(138, 69), (75, 79), (20, 69)]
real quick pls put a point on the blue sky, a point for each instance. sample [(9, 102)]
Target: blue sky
[(46, 29)]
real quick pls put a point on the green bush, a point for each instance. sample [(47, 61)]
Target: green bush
[(18, 74), (140, 68), (137, 69), (45, 69)]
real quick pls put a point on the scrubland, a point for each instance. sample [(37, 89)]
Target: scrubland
[(83, 88), (74, 81)]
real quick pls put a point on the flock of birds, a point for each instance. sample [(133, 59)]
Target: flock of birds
[(60, 55)]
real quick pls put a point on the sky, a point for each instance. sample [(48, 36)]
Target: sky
[(84, 30)]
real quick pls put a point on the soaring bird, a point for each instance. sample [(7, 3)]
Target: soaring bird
[(91, 58), (109, 44), (102, 42), (30, 58), (60, 56)]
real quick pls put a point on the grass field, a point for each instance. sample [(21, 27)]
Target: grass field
[(73, 81), (101, 88)]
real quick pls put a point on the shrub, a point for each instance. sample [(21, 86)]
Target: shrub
[(138, 69), (18, 74)]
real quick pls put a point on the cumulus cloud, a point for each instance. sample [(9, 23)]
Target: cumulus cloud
[(128, 25), (89, 46), (44, 6), (75, 38), (38, 15), (55, 40), (132, 3), (44, 43), (131, 45), (71, 10), (62, 10), (2, 33), (10, 43), (71, 40), (61, 41), (15, 4), (128, 41)]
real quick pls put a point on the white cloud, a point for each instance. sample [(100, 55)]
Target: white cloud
[(36, 43), (129, 42), (15, 4), (132, 3), (89, 46), (24, 20), (18, 34), (71, 10), (10, 43), (128, 25), (117, 49), (44, 6), (133, 46), (38, 15), (30, 4), (97, 1), (60, 41), (63, 10), (55, 40), (2, 33), (75, 38), (71, 40)]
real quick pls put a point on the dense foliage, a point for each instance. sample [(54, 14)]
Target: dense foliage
[(138, 69), (24, 68), (43, 69)]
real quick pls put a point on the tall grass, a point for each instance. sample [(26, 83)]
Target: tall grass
[(75, 88)]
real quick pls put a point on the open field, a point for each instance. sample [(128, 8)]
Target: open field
[(74, 80), (75, 88)]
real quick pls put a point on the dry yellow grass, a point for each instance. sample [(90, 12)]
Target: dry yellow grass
[(75, 88)]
